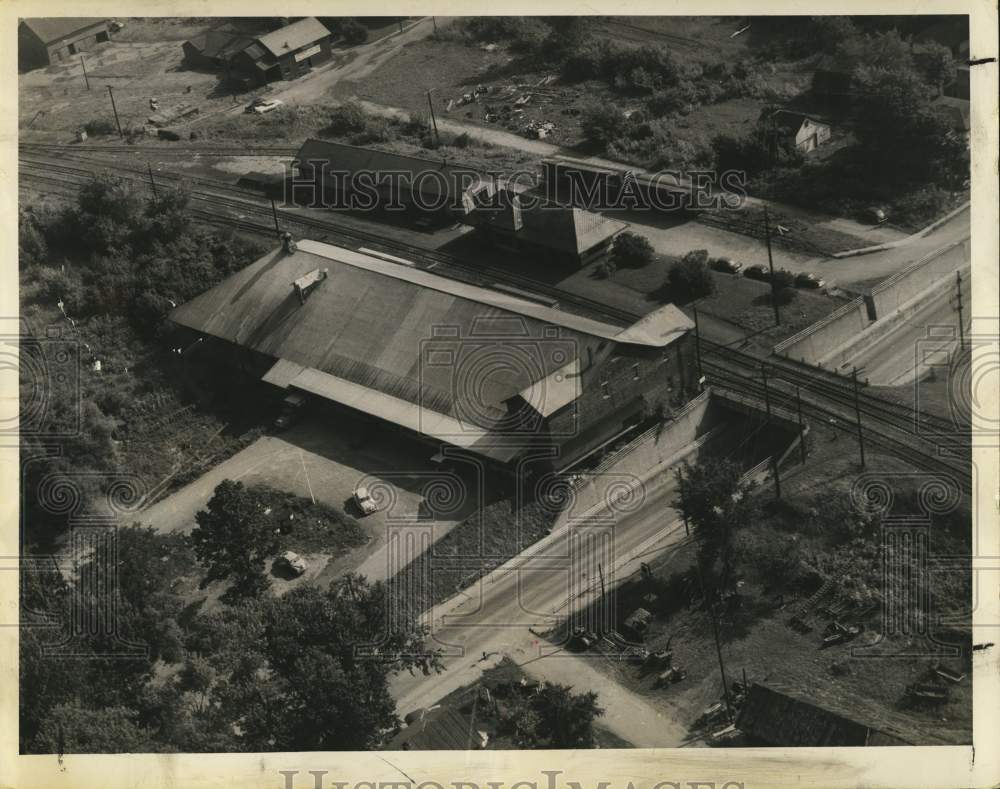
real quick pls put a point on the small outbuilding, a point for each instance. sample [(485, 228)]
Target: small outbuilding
[(214, 49), (796, 129), (43, 42)]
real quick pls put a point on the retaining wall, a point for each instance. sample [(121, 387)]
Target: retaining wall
[(815, 342), (903, 287), (661, 446)]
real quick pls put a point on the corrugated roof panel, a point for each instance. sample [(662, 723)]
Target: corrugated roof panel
[(292, 37)]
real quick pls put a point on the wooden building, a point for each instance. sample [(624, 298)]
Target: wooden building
[(43, 42)]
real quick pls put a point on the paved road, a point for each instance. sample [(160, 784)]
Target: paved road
[(534, 590), (927, 336)]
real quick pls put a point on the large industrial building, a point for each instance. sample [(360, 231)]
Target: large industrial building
[(446, 362)]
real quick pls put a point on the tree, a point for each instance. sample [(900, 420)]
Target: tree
[(70, 728), (354, 32), (603, 123), (320, 692), (716, 502), (830, 32), (690, 277), (554, 717), (234, 538), (937, 65), (631, 250)]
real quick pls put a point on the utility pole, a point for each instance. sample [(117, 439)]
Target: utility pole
[(767, 394), (274, 213), (802, 430), (857, 416), (152, 180), (697, 342), (961, 327), (118, 123), (85, 77), (435, 23), (770, 263), (777, 477), (600, 572), (434, 122), (715, 633), (684, 517)]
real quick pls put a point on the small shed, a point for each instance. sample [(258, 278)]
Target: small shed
[(796, 129)]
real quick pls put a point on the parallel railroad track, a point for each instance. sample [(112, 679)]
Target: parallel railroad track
[(919, 452), (158, 150), (832, 386), (255, 213)]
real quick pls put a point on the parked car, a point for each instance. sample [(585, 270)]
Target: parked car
[(366, 504), (756, 272), (291, 562), (874, 215), (261, 106), (725, 265), (807, 280), (291, 411)]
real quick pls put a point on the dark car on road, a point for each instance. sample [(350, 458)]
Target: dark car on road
[(756, 272), (725, 265), (807, 280), (874, 215)]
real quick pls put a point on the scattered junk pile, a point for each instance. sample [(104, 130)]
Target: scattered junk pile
[(630, 648), (934, 686), (512, 106), (843, 615)]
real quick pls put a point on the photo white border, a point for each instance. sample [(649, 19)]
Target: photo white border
[(819, 767)]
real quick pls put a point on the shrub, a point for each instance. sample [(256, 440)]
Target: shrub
[(347, 118), (354, 32), (603, 123), (462, 141), (375, 130), (96, 128), (783, 296), (632, 250), (605, 269), (690, 278), (783, 279)]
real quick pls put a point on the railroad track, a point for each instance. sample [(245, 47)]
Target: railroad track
[(919, 453), (835, 387), (169, 149), (255, 214)]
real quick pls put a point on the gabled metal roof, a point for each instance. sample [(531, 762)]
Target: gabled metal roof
[(293, 37)]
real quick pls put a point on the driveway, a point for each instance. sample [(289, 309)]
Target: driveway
[(315, 460)]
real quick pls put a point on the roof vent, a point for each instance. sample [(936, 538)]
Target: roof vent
[(307, 283)]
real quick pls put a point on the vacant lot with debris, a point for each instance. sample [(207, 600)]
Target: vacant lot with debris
[(809, 562)]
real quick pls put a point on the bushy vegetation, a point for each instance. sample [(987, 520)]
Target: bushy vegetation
[(690, 277), (267, 674), (354, 32), (631, 250), (102, 273)]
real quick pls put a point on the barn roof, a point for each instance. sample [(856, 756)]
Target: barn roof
[(784, 717), (219, 43), (294, 36), (340, 157), (791, 120), (52, 29), (396, 341)]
